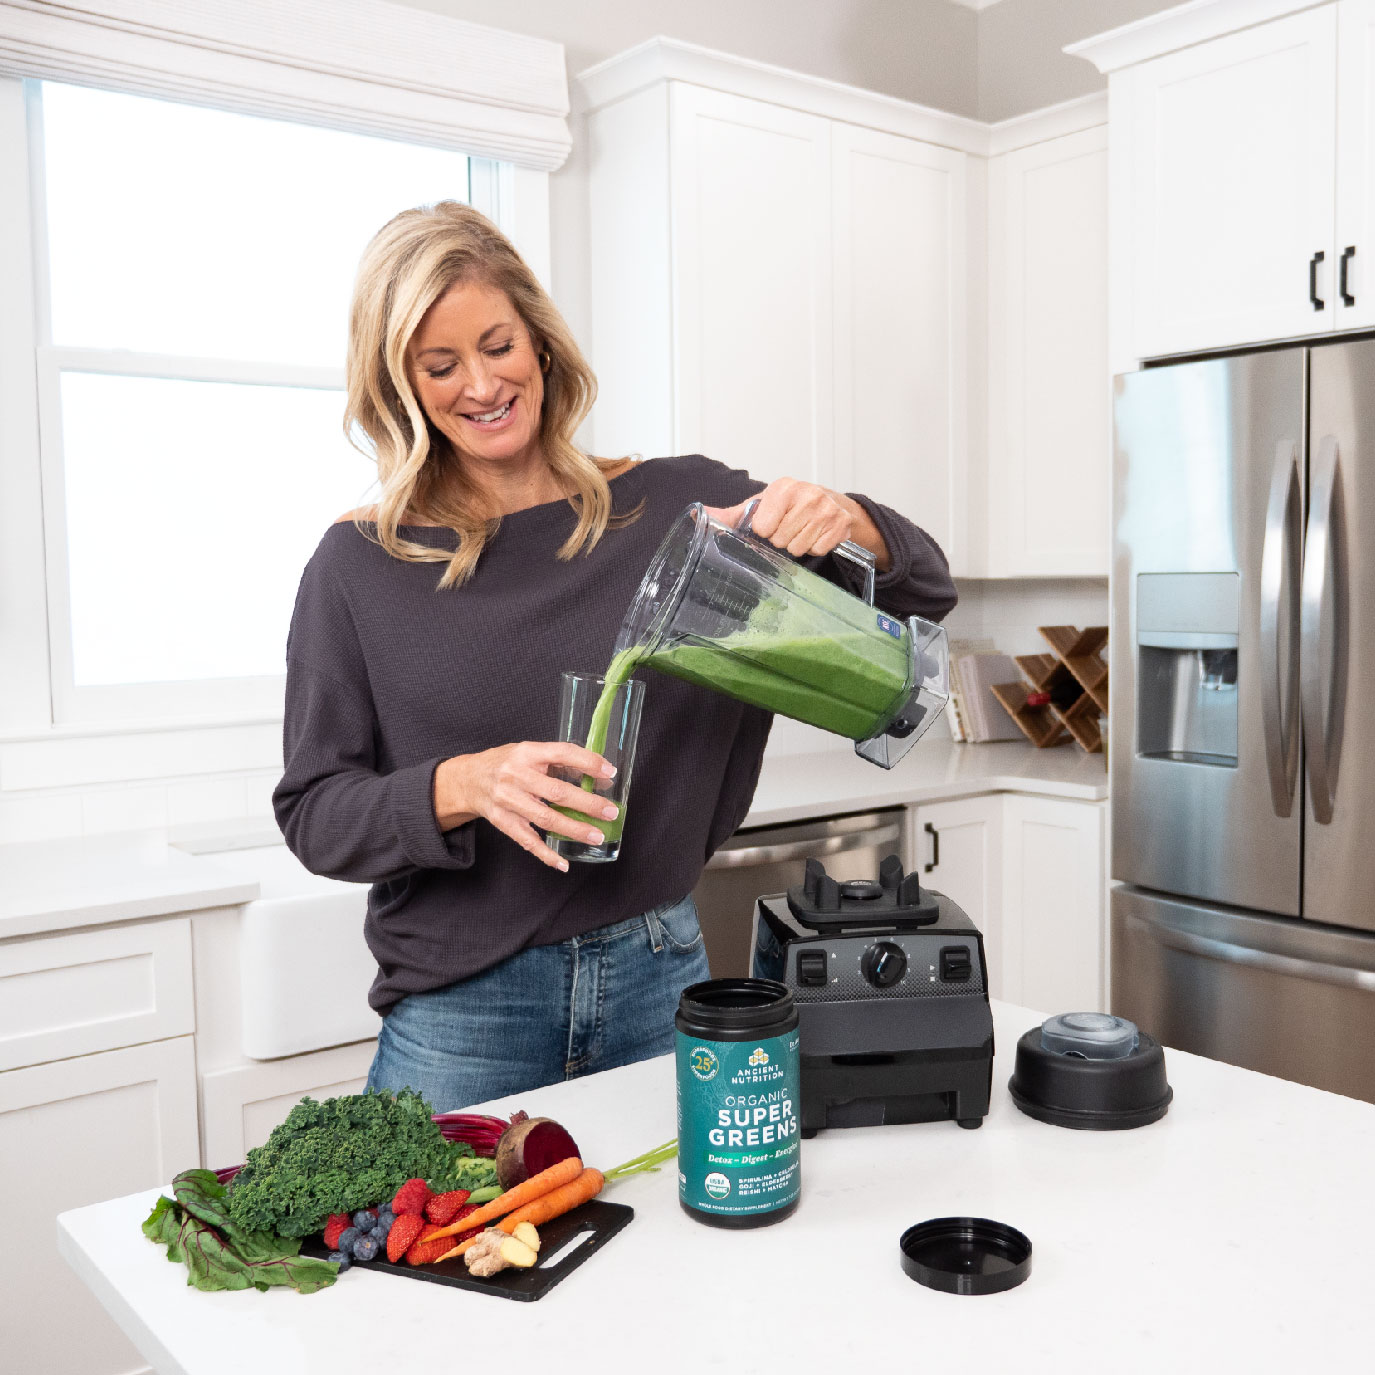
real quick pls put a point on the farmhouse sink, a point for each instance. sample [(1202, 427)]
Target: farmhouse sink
[(304, 969)]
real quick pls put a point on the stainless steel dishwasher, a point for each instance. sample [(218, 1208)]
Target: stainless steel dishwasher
[(769, 859)]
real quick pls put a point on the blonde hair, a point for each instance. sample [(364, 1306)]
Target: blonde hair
[(410, 263)]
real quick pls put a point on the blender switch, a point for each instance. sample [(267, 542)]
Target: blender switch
[(811, 967), (955, 964)]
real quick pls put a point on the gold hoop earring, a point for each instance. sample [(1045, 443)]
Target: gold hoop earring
[(546, 360)]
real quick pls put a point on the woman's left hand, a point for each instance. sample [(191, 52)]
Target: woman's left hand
[(804, 518)]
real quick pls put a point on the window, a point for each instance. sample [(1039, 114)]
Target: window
[(193, 268)]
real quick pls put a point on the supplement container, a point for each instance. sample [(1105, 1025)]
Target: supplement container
[(739, 1096)]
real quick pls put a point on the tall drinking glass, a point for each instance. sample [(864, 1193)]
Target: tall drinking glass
[(604, 715)]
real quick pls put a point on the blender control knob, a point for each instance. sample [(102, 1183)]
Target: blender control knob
[(883, 964)]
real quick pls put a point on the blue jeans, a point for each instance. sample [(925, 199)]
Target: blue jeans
[(552, 1012)]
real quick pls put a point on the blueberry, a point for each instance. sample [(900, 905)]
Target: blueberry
[(385, 1218), (364, 1220), (366, 1247), (341, 1259), (381, 1231), (347, 1237)]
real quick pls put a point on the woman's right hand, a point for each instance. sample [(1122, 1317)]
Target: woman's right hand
[(512, 786)]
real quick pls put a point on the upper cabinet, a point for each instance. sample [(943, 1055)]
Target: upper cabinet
[(1242, 183), (898, 213), (1049, 433), (802, 279), (1355, 239), (780, 287), (750, 310)]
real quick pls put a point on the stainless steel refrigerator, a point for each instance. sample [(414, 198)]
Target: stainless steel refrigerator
[(1242, 731)]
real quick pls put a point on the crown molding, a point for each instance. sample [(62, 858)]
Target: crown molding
[(1069, 117), (668, 59), (373, 66), (1180, 27)]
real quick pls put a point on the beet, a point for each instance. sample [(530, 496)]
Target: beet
[(529, 1146)]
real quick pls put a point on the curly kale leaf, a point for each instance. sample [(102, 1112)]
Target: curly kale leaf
[(337, 1156)]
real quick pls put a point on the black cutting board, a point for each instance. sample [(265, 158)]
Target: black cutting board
[(596, 1222)]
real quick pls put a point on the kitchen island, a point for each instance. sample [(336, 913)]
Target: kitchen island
[(1232, 1235)]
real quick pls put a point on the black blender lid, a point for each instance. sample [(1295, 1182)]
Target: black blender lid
[(966, 1255), (896, 901)]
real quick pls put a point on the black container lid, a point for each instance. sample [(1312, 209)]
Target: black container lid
[(1092, 1095), (966, 1255)]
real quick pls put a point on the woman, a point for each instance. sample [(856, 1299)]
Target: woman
[(421, 700)]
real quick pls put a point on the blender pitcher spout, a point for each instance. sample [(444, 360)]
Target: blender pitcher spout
[(930, 691)]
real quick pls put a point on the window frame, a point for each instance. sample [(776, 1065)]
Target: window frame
[(357, 65), (255, 697)]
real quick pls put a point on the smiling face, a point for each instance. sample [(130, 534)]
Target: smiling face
[(476, 372)]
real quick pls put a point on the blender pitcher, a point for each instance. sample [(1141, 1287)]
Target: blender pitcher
[(721, 608)]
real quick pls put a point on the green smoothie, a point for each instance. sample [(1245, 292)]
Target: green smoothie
[(846, 684), (618, 673)]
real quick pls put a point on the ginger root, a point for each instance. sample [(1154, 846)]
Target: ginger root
[(483, 1257), (493, 1251)]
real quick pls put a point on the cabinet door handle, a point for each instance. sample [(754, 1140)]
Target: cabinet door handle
[(1347, 254), (935, 847), (1318, 302)]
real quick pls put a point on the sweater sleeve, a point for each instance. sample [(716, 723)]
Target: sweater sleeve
[(917, 581), (340, 814)]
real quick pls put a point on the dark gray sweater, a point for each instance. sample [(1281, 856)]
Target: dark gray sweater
[(387, 677)]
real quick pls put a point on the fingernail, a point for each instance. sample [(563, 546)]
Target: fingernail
[(610, 771), (597, 837), (563, 866), (610, 813)]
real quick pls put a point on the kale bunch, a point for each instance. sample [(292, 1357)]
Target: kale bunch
[(338, 1156)]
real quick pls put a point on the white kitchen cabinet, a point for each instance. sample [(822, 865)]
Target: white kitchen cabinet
[(898, 208), (1050, 431), (957, 848), (1054, 890), (73, 1133), (1355, 237), (1232, 146), (781, 289), (752, 336), (86, 991), (243, 1104), (1029, 871)]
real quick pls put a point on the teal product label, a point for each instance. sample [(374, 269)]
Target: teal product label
[(894, 628), (739, 1133)]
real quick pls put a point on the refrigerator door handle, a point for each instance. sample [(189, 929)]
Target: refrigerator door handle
[(1322, 685), (1190, 943), (1279, 612)]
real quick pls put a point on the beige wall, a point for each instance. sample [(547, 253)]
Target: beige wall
[(1021, 66), (921, 50)]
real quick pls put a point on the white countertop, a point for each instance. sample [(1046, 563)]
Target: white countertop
[(1232, 1235), (55, 885), (793, 787)]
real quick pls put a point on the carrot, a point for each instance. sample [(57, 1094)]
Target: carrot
[(534, 1187), (556, 1202), (459, 1249)]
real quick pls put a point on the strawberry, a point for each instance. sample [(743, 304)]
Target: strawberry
[(336, 1224), (425, 1252), (404, 1232), (443, 1208), (411, 1197)]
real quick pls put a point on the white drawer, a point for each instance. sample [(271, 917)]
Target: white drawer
[(94, 990)]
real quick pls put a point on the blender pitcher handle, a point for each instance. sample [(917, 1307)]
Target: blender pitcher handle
[(846, 549)]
